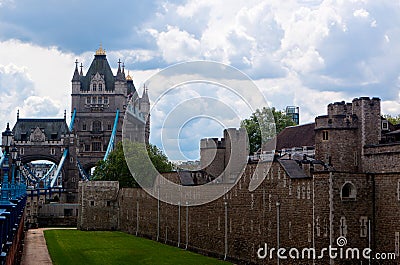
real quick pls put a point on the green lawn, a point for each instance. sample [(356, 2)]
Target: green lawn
[(115, 248)]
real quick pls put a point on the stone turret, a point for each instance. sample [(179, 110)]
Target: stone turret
[(236, 152), (120, 81), (76, 80), (145, 101), (225, 157), (340, 136), (212, 156), (369, 113)]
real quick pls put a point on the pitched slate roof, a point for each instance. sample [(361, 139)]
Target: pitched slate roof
[(99, 65), (296, 136), (48, 126), (292, 168)]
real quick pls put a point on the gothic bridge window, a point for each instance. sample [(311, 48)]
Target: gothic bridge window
[(96, 146), (97, 83), (96, 127), (348, 191)]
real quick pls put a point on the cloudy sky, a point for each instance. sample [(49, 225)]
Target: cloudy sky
[(306, 53)]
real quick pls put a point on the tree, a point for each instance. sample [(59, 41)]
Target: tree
[(392, 119), (262, 119), (116, 167), (159, 159)]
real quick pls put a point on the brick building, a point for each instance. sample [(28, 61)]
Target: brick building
[(336, 178)]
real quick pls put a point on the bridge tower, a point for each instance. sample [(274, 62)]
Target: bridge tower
[(47, 139), (96, 97)]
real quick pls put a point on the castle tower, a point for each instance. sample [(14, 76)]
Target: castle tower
[(340, 136), (96, 97), (216, 156), (336, 137)]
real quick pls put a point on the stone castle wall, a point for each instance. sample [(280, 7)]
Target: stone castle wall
[(312, 213), (387, 212), (382, 158), (248, 219)]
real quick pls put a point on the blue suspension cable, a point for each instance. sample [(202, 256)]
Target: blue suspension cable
[(112, 138)]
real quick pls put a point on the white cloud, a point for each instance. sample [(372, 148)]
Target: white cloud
[(15, 86), (361, 13), (41, 107), (287, 91), (391, 107), (177, 45), (48, 69)]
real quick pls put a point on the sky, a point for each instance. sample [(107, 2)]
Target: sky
[(306, 53)]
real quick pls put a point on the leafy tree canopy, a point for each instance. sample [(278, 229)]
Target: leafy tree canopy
[(253, 126), (116, 168)]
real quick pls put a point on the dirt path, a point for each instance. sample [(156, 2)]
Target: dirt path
[(35, 249)]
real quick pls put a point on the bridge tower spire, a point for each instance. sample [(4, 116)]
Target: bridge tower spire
[(76, 76)]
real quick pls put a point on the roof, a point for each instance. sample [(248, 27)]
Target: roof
[(292, 168), (296, 136), (50, 127), (393, 132), (186, 178), (99, 65)]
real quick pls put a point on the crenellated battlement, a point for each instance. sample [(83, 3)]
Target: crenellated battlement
[(339, 108), (212, 143), (338, 121)]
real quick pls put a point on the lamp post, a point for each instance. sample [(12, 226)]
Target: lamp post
[(7, 136), (14, 153), (19, 182)]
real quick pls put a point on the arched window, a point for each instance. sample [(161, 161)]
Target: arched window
[(348, 191), (94, 87), (96, 126)]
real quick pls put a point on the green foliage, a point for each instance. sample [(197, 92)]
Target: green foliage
[(159, 159), (282, 120), (392, 119), (116, 167), (262, 119), (106, 247)]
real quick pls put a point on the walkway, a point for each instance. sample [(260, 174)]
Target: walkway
[(35, 248)]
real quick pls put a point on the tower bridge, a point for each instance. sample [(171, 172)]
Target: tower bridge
[(99, 101)]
